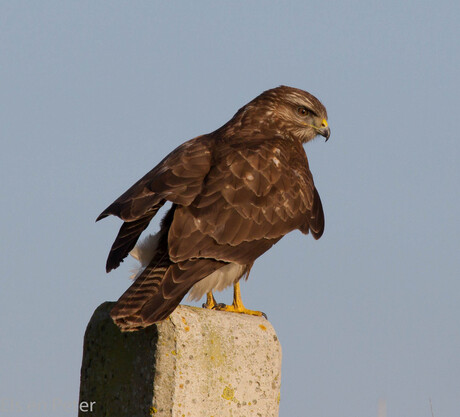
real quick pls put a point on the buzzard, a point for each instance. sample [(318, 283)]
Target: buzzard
[(235, 192)]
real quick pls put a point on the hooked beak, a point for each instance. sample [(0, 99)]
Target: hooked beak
[(324, 130)]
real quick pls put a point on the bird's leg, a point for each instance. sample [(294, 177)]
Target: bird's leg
[(238, 306), (210, 301)]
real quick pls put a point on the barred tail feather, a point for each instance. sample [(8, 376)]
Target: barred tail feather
[(125, 313), (158, 291)]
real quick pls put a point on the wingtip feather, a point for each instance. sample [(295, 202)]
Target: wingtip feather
[(101, 216)]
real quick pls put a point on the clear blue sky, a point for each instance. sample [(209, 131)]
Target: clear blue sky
[(94, 94)]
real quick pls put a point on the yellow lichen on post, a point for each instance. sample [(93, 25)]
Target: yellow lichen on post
[(228, 394)]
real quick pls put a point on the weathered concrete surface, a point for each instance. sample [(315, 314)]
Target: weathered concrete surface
[(118, 369), (197, 363)]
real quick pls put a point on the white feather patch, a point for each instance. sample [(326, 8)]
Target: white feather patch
[(217, 281), (143, 252)]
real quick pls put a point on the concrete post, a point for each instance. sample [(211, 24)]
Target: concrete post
[(197, 363)]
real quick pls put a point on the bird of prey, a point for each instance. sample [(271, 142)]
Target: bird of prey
[(235, 192)]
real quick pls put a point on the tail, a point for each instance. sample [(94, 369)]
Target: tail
[(158, 291)]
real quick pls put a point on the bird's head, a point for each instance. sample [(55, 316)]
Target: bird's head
[(291, 112)]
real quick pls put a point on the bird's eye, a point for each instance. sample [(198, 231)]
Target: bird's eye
[(302, 111)]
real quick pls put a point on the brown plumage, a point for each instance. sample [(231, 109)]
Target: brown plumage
[(235, 192)]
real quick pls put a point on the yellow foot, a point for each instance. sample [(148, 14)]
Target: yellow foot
[(238, 309), (210, 301)]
